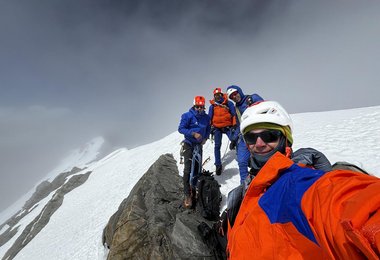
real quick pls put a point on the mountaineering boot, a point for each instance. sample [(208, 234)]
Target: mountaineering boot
[(188, 202), (218, 169)]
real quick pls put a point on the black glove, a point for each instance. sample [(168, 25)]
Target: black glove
[(233, 145)]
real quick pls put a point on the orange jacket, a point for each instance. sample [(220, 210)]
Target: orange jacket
[(221, 114), (293, 212)]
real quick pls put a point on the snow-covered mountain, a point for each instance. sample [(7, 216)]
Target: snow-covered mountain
[(74, 229), (79, 157)]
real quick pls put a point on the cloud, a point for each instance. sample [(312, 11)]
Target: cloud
[(33, 140)]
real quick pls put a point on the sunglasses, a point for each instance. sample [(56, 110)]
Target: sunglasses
[(268, 136), (199, 107)]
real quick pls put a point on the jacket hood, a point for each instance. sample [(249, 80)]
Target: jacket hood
[(239, 91)]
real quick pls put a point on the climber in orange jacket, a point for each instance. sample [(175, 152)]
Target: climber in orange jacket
[(223, 120), (293, 211)]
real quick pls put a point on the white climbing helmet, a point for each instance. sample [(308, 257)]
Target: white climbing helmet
[(266, 112), (230, 91)]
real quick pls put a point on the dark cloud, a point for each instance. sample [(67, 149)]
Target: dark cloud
[(127, 70)]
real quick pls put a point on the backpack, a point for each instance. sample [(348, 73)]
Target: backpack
[(208, 196)]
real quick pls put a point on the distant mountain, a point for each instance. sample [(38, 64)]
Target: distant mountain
[(64, 216), (81, 156)]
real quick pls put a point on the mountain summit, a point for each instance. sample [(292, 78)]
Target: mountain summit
[(64, 216)]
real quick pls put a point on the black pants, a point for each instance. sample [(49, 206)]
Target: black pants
[(188, 159)]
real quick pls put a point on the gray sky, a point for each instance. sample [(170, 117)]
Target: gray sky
[(71, 70)]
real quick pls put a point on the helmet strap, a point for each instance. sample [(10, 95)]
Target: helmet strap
[(288, 151), (288, 148)]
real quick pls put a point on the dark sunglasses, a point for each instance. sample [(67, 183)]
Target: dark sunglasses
[(268, 136), (199, 107)]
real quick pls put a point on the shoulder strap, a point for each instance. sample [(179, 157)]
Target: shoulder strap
[(238, 114), (222, 105), (200, 191)]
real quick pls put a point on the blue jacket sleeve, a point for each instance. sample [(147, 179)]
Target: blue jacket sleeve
[(208, 132), (208, 129), (235, 137), (256, 98), (232, 108), (211, 113), (184, 125)]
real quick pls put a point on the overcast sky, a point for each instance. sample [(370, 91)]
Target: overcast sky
[(72, 70)]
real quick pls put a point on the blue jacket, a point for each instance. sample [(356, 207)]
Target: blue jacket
[(193, 121), (242, 106)]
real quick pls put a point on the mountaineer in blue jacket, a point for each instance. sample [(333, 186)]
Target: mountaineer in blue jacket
[(241, 103), (195, 126)]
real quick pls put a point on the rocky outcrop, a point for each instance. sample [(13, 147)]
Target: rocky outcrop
[(45, 187), (62, 187), (7, 235), (151, 223)]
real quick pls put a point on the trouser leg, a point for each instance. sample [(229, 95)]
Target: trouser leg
[(243, 156), (218, 143), (187, 155)]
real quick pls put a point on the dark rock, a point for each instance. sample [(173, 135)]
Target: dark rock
[(151, 223), (7, 234), (46, 187), (185, 237)]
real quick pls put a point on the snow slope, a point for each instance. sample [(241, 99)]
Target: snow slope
[(79, 157), (75, 230)]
